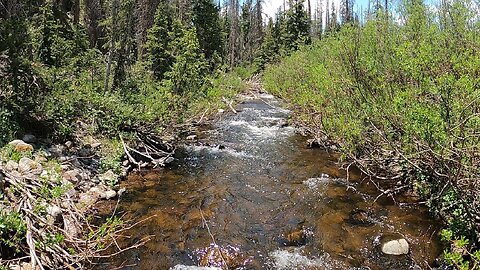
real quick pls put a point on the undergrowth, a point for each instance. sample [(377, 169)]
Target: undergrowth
[(400, 97)]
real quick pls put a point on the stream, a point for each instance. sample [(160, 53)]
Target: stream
[(249, 194)]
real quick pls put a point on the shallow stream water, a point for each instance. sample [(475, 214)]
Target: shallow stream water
[(250, 194)]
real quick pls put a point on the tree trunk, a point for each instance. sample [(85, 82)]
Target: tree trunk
[(115, 6)]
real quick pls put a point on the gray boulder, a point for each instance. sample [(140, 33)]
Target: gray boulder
[(396, 247), (29, 138), (26, 165)]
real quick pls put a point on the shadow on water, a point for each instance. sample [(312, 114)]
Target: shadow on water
[(269, 203)]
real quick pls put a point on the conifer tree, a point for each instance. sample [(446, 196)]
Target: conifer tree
[(187, 73), (269, 48), (206, 20), (158, 56)]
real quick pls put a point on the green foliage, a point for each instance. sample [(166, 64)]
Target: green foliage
[(158, 42), (8, 152), (8, 127), (410, 89), (112, 152), (12, 230), (460, 253), (289, 32), (209, 30), (187, 74), (52, 187), (105, 231)]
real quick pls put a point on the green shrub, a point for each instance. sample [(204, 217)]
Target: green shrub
[(410, 93), (12, 230), (8, 127)]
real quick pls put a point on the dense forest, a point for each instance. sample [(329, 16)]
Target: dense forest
[(395, 88)]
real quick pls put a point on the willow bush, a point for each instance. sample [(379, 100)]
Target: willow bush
[(400, 94)]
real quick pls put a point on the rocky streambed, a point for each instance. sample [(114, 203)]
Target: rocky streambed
[(47, 201), (246, 193)]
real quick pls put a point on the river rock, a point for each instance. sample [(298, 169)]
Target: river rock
[(216, 256), (109, 194), (55, 151), (29, 138), (40, 157), (86, 200), (15, 142), (73, 176), (54, 210), (23, 266), (191, 137), (54, 214), (11, 165), (26, 165), (68, 144), (108, 176), (396, 247), (95, 145), (23, 147)]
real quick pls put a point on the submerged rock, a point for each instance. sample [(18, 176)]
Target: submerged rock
[(360, 218), (184, 267), (396, 247), (296, 238), (217, 256)]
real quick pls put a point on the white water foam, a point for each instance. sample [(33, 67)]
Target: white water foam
[(266, 96), (316, 182), (263, 131), (286, 260), (216, 150)]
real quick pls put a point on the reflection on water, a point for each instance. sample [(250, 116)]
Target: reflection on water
[(250, 195)]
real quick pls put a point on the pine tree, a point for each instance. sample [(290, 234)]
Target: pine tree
[(206, 20), (187, 73), (94, 14), (145, 13), (234, 33), (157, 46), (297, 26), (269, 48)]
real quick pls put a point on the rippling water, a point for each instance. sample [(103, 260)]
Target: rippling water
[(250, 195)]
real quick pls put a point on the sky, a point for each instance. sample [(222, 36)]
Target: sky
[(270, 7)]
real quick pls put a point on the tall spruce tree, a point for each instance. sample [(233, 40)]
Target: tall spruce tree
[(187, 74), (206, 19), (157, 46)]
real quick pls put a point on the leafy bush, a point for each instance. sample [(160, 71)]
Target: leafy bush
[(407, 97), (8, 127), (12, 231)]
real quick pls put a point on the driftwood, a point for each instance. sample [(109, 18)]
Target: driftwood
[(149, 151)]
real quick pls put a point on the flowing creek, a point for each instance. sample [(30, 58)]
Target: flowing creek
[(268, 202)]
